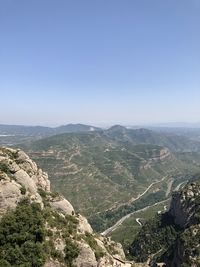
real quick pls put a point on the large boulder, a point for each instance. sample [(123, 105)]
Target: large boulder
[(86, 257), (63, 206), (10, 195)]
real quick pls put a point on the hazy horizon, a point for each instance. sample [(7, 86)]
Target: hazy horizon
[(104, 125), (99, 62)]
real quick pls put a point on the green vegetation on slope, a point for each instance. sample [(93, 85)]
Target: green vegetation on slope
[(104, 220), (127, 231), (97, 171), (157, 235), (23, 236)]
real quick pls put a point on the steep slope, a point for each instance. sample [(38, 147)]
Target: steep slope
[(41, 228), (118, 172), (173, 237)]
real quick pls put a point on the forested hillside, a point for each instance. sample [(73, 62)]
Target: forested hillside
[(104, 173)]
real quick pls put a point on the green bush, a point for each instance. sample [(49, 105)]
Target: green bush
[(71, 251), (4, 168), (22, 236), (4, 263), (42, 193), (23, 190)]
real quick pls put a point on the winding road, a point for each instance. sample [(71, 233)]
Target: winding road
[(179, 185), (134, 199), (149, 187), (138, 221), (119, 222)]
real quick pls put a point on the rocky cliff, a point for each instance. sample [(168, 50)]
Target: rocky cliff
[(185, 209), (41, 228), (184, 204), (173, 237)]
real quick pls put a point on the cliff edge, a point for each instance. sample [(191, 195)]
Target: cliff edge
[(41, 228)]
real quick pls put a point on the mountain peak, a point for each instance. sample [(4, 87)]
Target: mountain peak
[(117, 127)]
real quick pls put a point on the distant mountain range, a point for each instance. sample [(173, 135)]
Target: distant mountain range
[(14, 134), (68, 128), (177, 125), (42, 130), (171, 140)]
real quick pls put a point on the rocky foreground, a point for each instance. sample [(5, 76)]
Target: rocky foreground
[(41, 228)]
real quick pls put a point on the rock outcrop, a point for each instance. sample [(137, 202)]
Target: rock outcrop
[(20, 178), (185, 208), (62, 205), (183, 205), (172, 238)]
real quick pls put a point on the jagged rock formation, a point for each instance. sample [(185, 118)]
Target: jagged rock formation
[(70, 239), (173, 237), (18, 172), (185, 208)]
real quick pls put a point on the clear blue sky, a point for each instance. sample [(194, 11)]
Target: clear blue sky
[(99, 61)]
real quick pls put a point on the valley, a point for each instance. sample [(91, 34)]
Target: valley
[(118, 178), (99, 133), (118, 223), (128, 229), (109, 174)]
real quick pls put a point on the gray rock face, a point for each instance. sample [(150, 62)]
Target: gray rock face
[(179, 212), (62, 206), (14, 167), (52, 263), (84, 226), (86, 257), (18, 171), (185, 208), (183, 205), (24, 179), (10, 195)]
